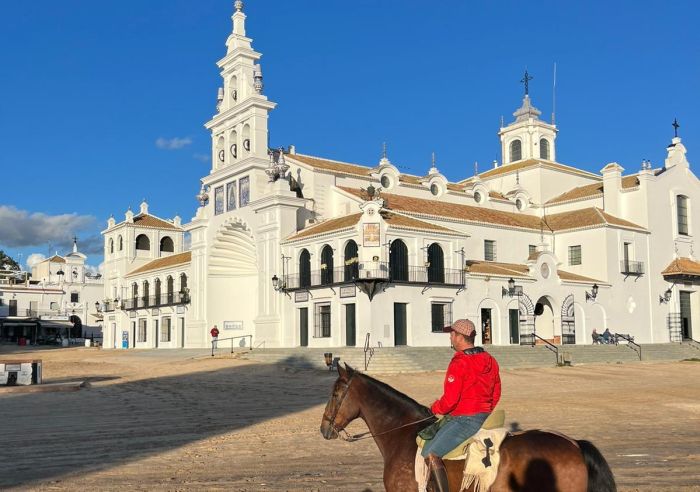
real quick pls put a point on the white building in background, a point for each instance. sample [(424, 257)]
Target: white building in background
[(298, 250), (62, 297)]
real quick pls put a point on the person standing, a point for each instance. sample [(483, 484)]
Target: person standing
[(472, 390), (214, 336)]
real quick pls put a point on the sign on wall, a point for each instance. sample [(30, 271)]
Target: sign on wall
[(370, 235), (301, 296), (233, 325), (180, 309), (348, 291)]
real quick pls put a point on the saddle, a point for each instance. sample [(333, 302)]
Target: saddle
[(480, 453)]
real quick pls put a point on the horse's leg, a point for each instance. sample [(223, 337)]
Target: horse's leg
[(540, 462), (399, 472)]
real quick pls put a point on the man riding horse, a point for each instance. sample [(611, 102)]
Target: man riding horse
[(472, 389)]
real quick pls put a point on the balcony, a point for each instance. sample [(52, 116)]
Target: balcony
[(378, 271), (628, 267), (172, 299)]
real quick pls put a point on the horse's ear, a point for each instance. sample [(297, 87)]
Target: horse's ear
[(342, 372), (349, 369)]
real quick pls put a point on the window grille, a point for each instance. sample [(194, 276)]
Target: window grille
[(142, 330), (575, 255), (544, 148), (440, 315), (682, 209), (322, 320), (398, 261), (165, 330), (74, 297), (489, 250), (516, 152), (436, 264)]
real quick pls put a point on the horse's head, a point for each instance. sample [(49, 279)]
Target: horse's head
[(342, 407)]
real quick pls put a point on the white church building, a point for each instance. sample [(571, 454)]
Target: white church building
[(298, 250)]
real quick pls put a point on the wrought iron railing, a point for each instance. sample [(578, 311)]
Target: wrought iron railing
[(630, 343), (168, 299), (547, 344), (631, 267), (374, 270), (216, 344), (369, 352), (675, 332)]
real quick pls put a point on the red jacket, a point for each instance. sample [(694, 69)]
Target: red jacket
[(472, 385)]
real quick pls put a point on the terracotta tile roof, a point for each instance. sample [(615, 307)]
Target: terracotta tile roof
[(453, 210), (147, 220), (509, 168), (576, 277), (394, 220), (495, 268), (585, 217), (167, 261), (592, 190), (57, 259), (682, 266), (410, 179), (329, 165), (327, 226)]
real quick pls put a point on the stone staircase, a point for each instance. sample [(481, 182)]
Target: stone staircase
[(391, 360)]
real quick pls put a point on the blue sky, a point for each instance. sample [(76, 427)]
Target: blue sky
[(90, 87)]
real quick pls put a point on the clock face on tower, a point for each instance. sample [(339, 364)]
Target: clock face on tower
[(221, 155)]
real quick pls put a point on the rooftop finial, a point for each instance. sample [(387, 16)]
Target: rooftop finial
[(675, 126), (384, 150), (238, 5), (433, 159), (75, 244), (526, 80)]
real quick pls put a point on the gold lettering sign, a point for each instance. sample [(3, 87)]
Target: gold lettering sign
[(370, 236)]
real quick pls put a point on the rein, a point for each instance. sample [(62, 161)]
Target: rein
[(343, 434)]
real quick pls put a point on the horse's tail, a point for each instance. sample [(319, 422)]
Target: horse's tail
[(600, 476)]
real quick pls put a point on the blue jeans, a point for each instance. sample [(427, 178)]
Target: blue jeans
[(454, 433)]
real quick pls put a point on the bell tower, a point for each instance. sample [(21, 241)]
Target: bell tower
[(239, 127), (527, 137)]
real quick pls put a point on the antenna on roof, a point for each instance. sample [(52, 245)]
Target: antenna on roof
[(554, 92)]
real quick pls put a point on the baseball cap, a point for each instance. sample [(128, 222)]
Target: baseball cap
[(461, 326)]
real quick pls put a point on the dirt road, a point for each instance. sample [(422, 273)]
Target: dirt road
[(184, 421)]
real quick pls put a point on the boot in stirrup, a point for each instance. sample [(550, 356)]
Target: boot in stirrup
[(438, 471)]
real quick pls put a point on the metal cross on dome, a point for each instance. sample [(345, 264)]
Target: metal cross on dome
[(675, 126), (525, 80)]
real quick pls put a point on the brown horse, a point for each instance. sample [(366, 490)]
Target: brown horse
[(530, 461)]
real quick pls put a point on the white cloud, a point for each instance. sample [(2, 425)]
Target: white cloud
[(34, 259), (202, 157), (92, 269), (173, 143), (21, 229)]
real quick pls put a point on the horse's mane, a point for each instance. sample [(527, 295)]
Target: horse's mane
[(393, 394)]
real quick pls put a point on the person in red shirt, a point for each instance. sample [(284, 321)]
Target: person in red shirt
[(214, 336), (472, 389)]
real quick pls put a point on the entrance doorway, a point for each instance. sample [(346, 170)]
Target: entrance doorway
[(514, 326), (13, 308), (544, 320), (686, 320), (486, 325), (350, 325), (304, 327), (400, 337)]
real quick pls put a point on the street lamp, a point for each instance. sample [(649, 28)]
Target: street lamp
[(666, 297), (97, 306), (593, 294), (512, 290)]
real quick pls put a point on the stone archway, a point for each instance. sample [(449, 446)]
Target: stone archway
[(544, 319), (568, 321)]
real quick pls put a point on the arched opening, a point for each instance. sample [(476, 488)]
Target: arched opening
[(568, 321), (326, 265), (246, 139), (398, 261), (134, 292), (120, 243), (305, 269), (220, 152), (233, 89), (352, 267), (146, 293), (166, 245), (170, 288), (682, 214), (111, 245), (544, 148), (233, 144), (143, 243), (544, 319), (156, 291), (183, 283), (436, 264), (516, 150)]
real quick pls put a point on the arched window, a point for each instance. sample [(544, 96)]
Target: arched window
[(352, 267), (682, 214), (436, 264), (516, 150), (183, 283), (134, 291), (166, 245), (111, 245), (398, 261), (156, 293), (170, 286), (544, 148), (304, 269), (120, 243), (146, 293), (143, 243), (326, 265)]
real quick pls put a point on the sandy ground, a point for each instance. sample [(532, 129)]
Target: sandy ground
[(174, 420)]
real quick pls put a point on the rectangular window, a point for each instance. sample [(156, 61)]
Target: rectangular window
[(682, 208), (230, 196), (489, 250), (244, 191), (532, 249), (53, 306), (575, 255), (440, 316), (165, 330), (219, 200), (322, 320), (142, 330), (74, 297)]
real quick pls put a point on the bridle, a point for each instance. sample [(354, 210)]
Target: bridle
[(343, 434)]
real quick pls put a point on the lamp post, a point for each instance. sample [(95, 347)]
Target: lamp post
[(593, 294), (666, 297)]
